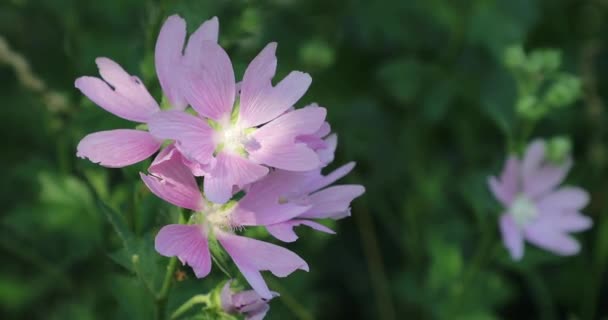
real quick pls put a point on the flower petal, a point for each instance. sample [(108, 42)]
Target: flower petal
[(507, 187), (284, 230), (208, 31), (187, 242), (320, 181), (117, 148), (260, 101), (252, 256), (533, 158), (211, 89), (193, 136), (333, 202), (277, 146), (572, 222), (172, 180), (563, 199), (127, 97), (230, 170), (326, 155), (545, 178), (512, 237), (546, 236), (168, 59)]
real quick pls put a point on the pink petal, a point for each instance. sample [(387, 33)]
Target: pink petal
[(259, 313), (533, 158), (545, 178), (260, 101), (284, 230), (226, 298), (326, 155), (512, 237), (572, 222), (321, 182), (563, 199), (127, 97), (551, 239), (188, 243), (252, 256), (208, 31), (277, 147), (172, 180), (117, 148), (262, 204), (211, 89), (507, 187), (193, 136), (176, 194), (499, 192), (230, 170), (168, 59), (333, 202)]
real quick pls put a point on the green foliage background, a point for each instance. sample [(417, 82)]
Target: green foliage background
[(420, 98)]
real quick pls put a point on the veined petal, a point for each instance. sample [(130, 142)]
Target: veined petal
[(193, 136), (293, 157), (326, 155), (117, 148), (320, 181), (208, 31), (260, 101), (127, 97), (230, 170), (284, 230), (252, 256), (512, 237), (172, 180), (168, 59), (187, 242), (332, 202), (277, 146), (176, 194), (211, 89)]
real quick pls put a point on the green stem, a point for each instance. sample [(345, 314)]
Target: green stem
[(371, 248), (298, 310), (197, 299), (541, 295)]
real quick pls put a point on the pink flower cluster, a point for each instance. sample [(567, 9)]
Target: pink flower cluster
[(239, 137)]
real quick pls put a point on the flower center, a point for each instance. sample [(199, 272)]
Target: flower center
[(523, 210), (233, 139), (217, 215)]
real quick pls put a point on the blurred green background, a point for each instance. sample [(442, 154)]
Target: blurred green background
[(421, 100)]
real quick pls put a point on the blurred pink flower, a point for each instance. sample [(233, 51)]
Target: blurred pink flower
[(173, 181), (125, 95), (248, 303), (240, 133), (536, 208)]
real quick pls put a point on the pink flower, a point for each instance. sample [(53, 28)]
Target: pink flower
[(173, 181), (249, 303), (239, 133), (125, 95), (536, 208)]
